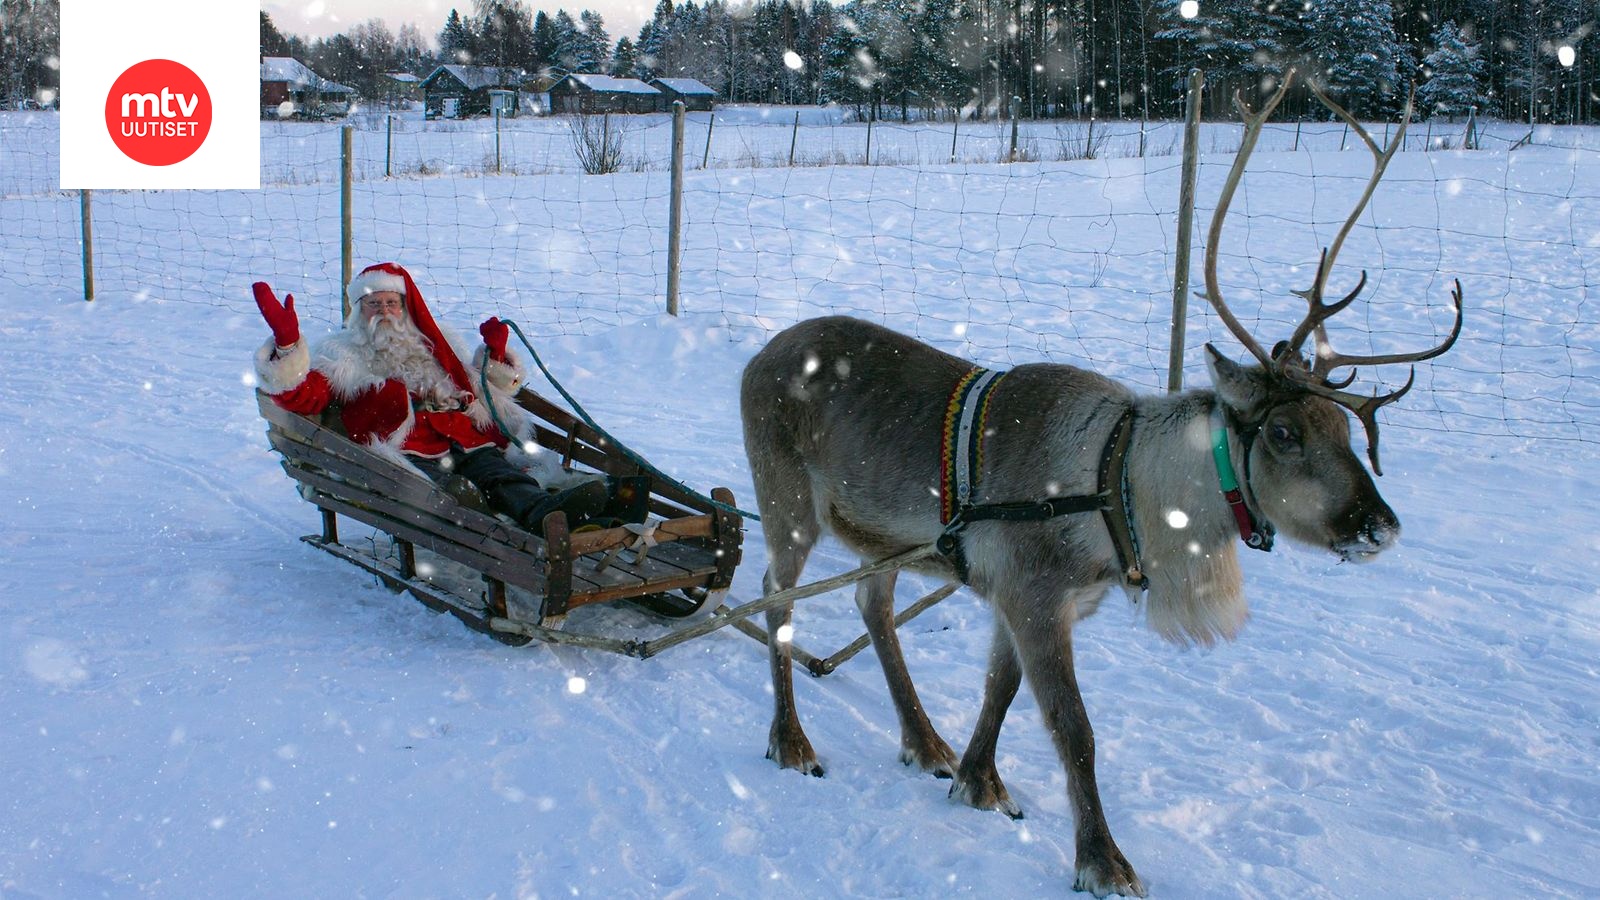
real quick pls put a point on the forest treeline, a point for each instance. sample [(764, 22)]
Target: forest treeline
[(1532, 60)]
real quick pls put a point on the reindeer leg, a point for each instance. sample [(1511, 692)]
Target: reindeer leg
[(920, 744), (1044, 642), (978, 783), (787, 744)]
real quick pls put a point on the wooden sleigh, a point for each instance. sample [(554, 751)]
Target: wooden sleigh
[(679, 563), (679, 566)]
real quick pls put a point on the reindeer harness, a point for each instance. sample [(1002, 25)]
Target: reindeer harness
[(961, 459)]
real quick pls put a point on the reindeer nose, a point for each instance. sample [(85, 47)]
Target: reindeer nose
[(1382, 529)]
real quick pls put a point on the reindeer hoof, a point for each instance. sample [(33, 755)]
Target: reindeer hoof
[(1107, 872), (798, 756), (933, 756), (984, 791)]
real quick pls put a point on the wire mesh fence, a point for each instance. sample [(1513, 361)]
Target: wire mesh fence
[(1065, 255)]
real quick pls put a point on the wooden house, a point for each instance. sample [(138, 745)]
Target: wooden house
[(583, 93), (459, 92), (694, 94), (291, 90), (399, 89)]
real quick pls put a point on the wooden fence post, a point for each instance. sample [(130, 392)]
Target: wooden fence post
[(497, 140), (794, 136), (1016, 113), (1186, 190), (711, 125), (955, 130), (346, 180), (675, 212), (87, 217), (388, 146)]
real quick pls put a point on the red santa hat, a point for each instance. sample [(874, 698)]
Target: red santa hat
[(390, 276)]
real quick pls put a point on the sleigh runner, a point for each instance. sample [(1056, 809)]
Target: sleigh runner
[(678, 564)]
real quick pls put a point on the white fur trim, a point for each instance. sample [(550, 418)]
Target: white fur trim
[(371, 282), (278, 373), (505, 376), (503, 383)]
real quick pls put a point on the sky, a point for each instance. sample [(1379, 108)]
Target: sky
[(323, 18)]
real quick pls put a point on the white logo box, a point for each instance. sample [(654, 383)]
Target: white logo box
[(220, 40)]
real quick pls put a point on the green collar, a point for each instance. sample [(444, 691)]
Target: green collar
[(1255, 535)]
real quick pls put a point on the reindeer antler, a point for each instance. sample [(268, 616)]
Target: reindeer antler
[(1252, 131), (1286, 362)]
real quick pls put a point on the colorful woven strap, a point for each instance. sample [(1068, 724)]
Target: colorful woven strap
[(961, 454)]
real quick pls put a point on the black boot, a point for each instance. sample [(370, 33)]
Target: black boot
[(629, 499), (581, 503), (520, 496)]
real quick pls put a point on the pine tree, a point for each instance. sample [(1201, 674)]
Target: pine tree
[(850, 71), (1363, 56), (1235, 42), (273, 42), (570, 45), (1454, 72), (457, 41), (624, 59), (545, 43), (597, 44)]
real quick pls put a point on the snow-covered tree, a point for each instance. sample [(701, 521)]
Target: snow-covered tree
[(596, 44), (624, 59), (1232, 41), (1365, 66), (1454, 72), (458, 42), (571, 48), (546, 43)]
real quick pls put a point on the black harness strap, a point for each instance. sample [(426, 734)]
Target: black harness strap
[(1111, 500), (1116, 509)]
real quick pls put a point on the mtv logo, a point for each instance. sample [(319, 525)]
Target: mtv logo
[(160, 94)]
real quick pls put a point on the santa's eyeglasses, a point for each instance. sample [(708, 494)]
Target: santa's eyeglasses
[(386, 303)]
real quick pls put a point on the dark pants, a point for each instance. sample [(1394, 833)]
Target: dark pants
[(514, 492)]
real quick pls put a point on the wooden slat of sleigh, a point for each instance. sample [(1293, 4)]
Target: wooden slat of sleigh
[(593, 450)]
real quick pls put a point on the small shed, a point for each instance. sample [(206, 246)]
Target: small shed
[(583, 93), (694, 94), (397, 89), (459, 92), (290, 89)]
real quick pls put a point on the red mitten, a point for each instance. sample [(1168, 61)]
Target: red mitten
[(495, 333), (280, 317)]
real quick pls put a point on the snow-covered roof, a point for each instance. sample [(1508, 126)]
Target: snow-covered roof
[(686, 86), (405, 77), (478, 77), (293, 71), (283, 68), (608, 85)]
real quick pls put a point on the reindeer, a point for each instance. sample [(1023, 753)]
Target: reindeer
[(843, 422)]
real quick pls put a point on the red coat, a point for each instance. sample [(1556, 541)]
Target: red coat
[(379, 410)]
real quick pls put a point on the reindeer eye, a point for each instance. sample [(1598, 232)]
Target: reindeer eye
[(1283, 434)]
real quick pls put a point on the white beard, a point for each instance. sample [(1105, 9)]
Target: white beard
[(396, 349)]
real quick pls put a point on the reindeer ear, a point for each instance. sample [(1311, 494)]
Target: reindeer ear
[(1238, 387)]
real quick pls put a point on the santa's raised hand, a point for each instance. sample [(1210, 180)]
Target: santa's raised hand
[(280, 317), (495, 334)]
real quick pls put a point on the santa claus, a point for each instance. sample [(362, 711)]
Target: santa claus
[(401, 389)]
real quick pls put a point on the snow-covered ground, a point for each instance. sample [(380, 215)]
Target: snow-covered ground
[(193, 703)]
